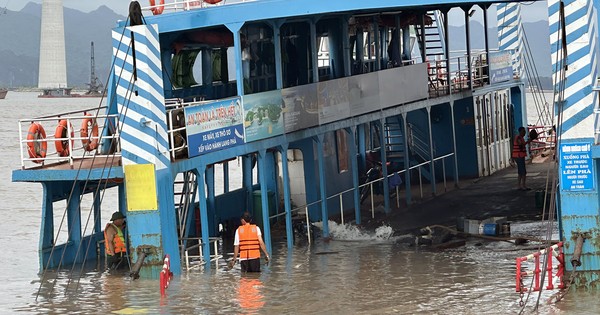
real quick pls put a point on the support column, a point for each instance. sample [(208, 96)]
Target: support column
[(277, 43), (247, 180), (210, 194), (207, 71), (510, 32), (74, 216), (322, 185), (237, 44), (150, 213), (384, 170), (226, 177), (447, 51), (454, 144), (487, 46), (97, 211), (354, 163), (46, 227), (468, 37), (262, 173), (406, 160), (431, 152), (285, 177), (315, 50), (579, 202)]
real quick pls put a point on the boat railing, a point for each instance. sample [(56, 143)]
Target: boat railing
[(370, 184), (186, 5), (193, 261), (83, 137)]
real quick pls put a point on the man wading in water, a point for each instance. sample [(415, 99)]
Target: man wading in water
[(114, 241), (248, 243)]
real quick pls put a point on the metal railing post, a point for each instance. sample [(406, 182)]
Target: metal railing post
[(372, 202), (420, 182), (307, 223), (341, 209)]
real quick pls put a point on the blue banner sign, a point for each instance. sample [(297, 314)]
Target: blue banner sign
[(500, 66), (576, 166), (214, 126)]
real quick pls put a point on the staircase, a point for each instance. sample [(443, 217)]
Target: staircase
[(185, 194), (434, 44), (394, 140)]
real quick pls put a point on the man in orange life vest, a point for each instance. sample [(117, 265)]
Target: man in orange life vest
[(519, 152), (114, 240), (248, 243)]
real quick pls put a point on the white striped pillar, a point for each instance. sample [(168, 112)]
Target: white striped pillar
[(143, 140), (510, 33), (582, 57)]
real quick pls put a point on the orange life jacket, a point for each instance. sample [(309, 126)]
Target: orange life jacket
[(249, 245), (519, 150), (118, 240)]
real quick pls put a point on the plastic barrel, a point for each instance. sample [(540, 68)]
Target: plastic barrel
[(490, 229)]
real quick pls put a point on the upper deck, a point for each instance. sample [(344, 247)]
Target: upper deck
[(297, 66)]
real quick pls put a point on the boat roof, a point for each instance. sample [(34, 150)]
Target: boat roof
[(263, 10)]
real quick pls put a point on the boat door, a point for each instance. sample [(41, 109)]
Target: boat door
[(483, 161), (492, 132), (503, 118)]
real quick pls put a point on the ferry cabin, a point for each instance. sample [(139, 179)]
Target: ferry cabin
[(306, 96)]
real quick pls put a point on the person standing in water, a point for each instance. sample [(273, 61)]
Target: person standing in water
[(114, 240), (247, 243)]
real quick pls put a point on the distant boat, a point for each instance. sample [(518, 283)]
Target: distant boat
[(3, 93)]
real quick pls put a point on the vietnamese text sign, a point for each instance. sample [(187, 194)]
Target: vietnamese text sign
[(500, 66), (140, 187), (214, 126), (576, 166)]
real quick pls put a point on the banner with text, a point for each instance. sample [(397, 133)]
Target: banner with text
[(500, 66), (214, 126), (576, 166)]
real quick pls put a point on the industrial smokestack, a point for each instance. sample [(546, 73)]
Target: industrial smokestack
[(53, 64)]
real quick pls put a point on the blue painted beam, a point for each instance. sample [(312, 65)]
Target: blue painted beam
[(48, 175), (322, 185), (384, 170), (262, 173), (354, 163), (287, 196)]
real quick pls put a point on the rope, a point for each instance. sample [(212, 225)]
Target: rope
[(559, 97), (80, 198)]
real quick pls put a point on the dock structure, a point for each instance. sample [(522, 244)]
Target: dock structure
[(574, 55), (307, 95)]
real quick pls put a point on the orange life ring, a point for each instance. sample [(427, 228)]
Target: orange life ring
[(89, 127), (156, 10), (62, 146), (212, 1), (36, 142)]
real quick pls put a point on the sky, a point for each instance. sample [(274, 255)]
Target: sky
[(531, 11)]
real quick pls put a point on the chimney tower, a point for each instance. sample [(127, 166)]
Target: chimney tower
[(53, 66)]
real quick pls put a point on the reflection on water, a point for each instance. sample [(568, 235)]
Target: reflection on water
[(357, 272)]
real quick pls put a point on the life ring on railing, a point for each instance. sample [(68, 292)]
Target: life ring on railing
[(212, 1), (89, 134), (157, 9), (62, 146), (36, 142)]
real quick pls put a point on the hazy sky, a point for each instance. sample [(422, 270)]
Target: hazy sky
[(532, 11)]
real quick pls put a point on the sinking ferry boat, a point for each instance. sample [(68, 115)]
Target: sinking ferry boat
[(311, 94)]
